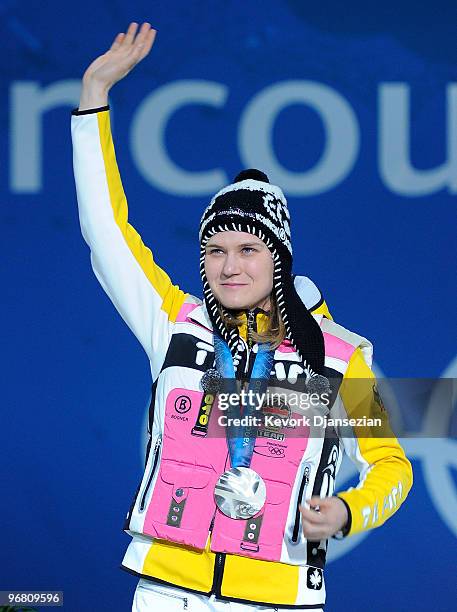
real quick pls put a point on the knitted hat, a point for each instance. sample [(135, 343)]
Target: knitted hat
[(251, 204)]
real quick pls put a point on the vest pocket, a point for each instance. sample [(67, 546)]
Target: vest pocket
[(182, 503), (275, 514), (184, 475), (261, 536)]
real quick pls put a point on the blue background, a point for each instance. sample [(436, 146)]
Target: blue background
[(75, 380)]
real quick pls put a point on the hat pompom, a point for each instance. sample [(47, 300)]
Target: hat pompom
[(211, 381), (253, 174), (318, 384)]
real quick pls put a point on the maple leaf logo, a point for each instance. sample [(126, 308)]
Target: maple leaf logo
[(314, 578)]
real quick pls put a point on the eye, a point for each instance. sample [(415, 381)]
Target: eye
[(214, 251), (249, 250)]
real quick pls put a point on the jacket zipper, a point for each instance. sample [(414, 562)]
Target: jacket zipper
[(250, 327), (219, 562), (301, 492), (185, 600), (154, 465), (212, 522), (218, 573)]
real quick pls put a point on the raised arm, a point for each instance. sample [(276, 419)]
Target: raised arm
[(140, 290), (124, 54)]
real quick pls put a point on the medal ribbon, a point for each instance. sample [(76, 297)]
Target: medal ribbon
[(241, 439)]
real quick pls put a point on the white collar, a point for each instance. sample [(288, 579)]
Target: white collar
[(200, 315)]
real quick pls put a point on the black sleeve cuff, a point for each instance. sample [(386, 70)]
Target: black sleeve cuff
[(89, 111)]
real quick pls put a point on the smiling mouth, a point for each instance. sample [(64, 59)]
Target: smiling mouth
[(233, 285)]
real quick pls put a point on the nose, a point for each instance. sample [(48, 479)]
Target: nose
[(231, 265)]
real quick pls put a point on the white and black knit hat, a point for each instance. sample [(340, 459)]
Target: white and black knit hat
[(251, 204)]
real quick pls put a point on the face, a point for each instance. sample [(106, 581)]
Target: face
[(239, 269)]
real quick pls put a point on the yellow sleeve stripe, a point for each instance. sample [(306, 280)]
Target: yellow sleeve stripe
[(386, 476), (322, 309), (172, 297)]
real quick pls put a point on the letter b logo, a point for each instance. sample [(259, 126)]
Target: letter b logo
[(183, 404)]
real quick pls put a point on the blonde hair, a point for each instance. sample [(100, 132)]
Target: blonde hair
[(275, 331)]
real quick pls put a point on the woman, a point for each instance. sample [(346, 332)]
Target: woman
[(239, 520)]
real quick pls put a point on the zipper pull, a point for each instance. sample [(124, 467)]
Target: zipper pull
[(306, 476), (158, 443), (250, 327)]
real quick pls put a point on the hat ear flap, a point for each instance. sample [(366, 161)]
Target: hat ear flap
[(301, 327)]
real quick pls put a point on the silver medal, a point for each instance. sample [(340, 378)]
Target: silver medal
[(240, 493)]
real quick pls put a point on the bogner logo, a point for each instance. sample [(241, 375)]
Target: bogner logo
[(183, 404)]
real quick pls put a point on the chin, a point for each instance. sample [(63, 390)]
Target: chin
[(234, 305), (233, 302)]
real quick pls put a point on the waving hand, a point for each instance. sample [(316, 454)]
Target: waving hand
[(124, 54)]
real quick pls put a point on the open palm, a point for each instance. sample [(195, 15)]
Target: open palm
[(126, 51)]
